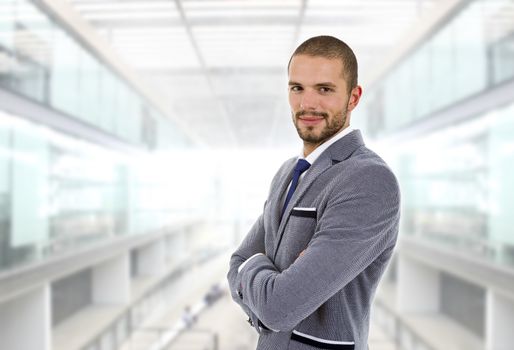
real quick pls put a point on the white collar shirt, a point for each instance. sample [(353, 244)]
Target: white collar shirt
[(311, 158)]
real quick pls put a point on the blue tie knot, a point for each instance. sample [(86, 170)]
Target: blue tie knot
[(302, 165)]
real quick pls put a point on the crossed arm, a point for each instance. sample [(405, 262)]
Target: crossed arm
[(355, 229)]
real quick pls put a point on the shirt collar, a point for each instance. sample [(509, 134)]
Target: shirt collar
[(311, 158)]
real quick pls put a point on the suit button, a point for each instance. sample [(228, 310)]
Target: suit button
[(240, 294), (249, 320)]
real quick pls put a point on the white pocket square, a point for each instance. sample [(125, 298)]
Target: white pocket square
[(304, 209)]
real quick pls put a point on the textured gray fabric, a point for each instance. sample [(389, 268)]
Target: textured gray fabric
[(326, 293)]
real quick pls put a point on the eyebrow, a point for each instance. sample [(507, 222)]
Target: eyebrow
[(317, 85), (326, 84)]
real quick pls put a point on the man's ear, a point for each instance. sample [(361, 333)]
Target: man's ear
[(355, 96)]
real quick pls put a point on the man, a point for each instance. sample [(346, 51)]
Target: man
[(308, 269)]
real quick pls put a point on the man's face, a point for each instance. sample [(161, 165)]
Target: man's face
[(318, 96)]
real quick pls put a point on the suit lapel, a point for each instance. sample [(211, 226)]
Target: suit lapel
[(337, 152), (279, 193), (320, 165)]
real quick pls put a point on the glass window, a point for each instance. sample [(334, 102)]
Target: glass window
[(107, 99), (389, 97), (89, 87), (29, 188), (501, 168), (33, 50), (64, 78), (128, 120), (422, 85), (404, 96), (457, 186), (470, 69), (502, 54), (442, 66), (6, 40), (5, 192), (7, 17)]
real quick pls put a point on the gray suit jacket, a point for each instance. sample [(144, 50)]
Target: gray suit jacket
[(322, 299)]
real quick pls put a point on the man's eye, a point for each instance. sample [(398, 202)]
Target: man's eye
[(325, 89), (296, 88)]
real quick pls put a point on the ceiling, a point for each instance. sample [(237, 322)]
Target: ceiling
[(221, 64)]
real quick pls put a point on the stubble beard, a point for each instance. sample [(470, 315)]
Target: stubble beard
[(332, 127)]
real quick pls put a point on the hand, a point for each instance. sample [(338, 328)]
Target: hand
[(301, 254)]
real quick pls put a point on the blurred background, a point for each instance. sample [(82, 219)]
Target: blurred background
[(128, 134)]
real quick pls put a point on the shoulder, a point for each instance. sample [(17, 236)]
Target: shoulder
[(365, 169), (284, 168), (282, 171), (287, 164)]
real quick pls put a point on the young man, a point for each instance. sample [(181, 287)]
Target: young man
[(307, 271)]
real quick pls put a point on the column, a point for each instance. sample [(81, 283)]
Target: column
[(111, 281), (418, 286), (499, 321), (25, 321), (151, 259)]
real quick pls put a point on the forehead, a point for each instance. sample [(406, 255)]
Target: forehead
[(315, 69)]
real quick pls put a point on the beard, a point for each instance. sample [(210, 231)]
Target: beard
[(332, 126)]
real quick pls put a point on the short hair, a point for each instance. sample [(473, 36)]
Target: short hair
[(330, 47)]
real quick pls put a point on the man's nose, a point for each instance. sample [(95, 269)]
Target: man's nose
[(309, 101)]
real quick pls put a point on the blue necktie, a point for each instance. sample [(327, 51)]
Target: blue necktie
[(300, 167)]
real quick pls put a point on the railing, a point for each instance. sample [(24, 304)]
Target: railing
[(189, 339), (404, 337), (121, 329)]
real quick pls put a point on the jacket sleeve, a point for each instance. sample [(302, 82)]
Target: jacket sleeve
[(251, 245), (358, 224)]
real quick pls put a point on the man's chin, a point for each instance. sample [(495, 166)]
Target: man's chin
[(309, 137)]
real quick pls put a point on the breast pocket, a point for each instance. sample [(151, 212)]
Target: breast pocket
[(304, 212), (299, 230)]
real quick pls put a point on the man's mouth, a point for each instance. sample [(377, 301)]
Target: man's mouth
[(310, 120)]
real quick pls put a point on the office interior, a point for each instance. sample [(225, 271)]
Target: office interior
[(138, 139)]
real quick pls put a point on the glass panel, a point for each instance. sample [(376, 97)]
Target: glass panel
[(503, 59), (470, 69), (441, 68), (29, 188), (123, 111), (89, 88), (422, 84), (405, 108), (42, 173), (64, 79), (33, 49), (501, 165), (90, 174), (7, 18), (40, 60), (5, 191), (6, 40), (457, 186), (108, 102), (390, 107), (473, 51)]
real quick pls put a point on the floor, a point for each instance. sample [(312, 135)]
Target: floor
[(221, 326)]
